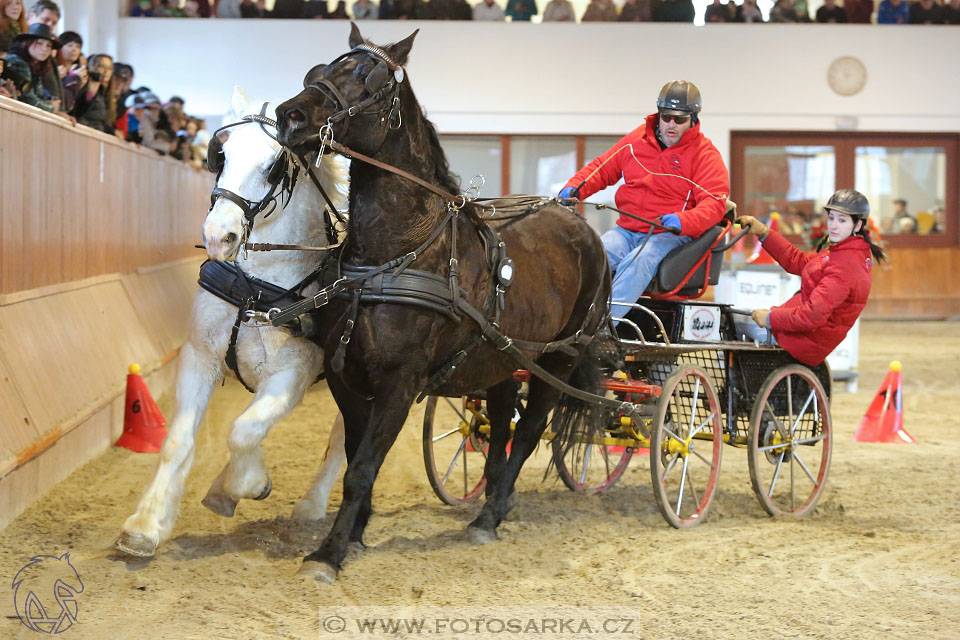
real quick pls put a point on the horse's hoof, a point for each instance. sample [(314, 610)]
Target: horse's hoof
[(136, 545), (319, 571), (220, 505), (476, 535), (266, 491), (356, 545)]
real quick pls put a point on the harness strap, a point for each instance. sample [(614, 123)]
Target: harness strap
[(338, 357), (350, 153)]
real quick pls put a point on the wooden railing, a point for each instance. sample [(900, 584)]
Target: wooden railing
[(97, 271)]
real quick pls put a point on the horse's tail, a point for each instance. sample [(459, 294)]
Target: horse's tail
[(576, 422)]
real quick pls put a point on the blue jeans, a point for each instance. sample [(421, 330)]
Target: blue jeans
[(634, 262)]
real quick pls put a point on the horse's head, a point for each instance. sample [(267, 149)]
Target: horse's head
[(250, 166), (354, 100)]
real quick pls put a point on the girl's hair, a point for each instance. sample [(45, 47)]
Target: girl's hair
[(67, 37), (875, 249), (21, 22), (22, 49)]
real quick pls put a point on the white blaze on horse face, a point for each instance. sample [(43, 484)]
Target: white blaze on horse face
[(249, 154)]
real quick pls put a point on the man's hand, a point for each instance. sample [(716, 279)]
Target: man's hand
[(569, 195), (672, 220), (760, 316), (757, 228)]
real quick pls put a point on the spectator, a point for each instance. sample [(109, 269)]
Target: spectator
[(72, 73), (600, 11), (142, 9), (521, 10), (783, 11), (926, 12), (490, 11), (48, 13), (830, 12), (176, 101), (96, 104), (229, 9), (893, 12), (29, 59), (128, 125), (636, 11), (675, 11), (859, 11), (162, 9), (152, 135), (749, 12), (7, 88), (365, 10), (313, 10), (203, 8), (253, 8), (287, 9), (559, 11), (951, 12), (123, 76), (404, 9), (800, 8), (716, 12), (13, 19), (191, 9), (340, 13)]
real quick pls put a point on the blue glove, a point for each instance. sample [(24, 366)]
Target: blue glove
[(568, 194), (671, 220)]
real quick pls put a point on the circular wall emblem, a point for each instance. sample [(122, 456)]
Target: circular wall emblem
[(847, 76)]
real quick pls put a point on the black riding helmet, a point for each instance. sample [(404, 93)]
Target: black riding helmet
[(851, 202), (679, 98)]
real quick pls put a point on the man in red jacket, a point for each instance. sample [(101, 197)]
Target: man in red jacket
[(834, 282), (671, 171)]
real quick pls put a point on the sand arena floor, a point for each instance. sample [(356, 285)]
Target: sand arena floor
[(878, 559)]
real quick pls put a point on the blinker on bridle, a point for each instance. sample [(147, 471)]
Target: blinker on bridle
[(378, 84), (278, 172)]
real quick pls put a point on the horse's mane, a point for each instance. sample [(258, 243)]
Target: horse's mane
[(441, 173)]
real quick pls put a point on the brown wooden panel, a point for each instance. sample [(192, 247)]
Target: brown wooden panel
[(59, 222)]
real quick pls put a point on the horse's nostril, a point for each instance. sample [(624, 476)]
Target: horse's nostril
[(295, 115), (229, 239)]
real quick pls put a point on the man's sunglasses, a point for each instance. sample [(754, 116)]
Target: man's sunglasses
[(678, 119)]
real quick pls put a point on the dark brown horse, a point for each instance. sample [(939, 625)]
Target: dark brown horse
[(560, 288)]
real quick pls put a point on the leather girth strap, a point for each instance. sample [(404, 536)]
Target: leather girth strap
[(229, 283)]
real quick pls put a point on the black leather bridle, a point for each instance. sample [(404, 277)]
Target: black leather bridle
[(380, 83)]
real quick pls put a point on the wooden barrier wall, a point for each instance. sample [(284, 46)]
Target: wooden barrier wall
[(97, 270), (916, 283)]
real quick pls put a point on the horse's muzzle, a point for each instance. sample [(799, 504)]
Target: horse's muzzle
[(291, 119)]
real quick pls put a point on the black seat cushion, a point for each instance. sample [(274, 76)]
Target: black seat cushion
[(677, 264)]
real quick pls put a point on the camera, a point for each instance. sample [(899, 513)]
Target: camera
[(95, 76)]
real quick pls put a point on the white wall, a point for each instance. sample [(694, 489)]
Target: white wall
[(577, 78)]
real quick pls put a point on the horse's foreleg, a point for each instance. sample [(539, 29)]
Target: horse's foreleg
[(542, 398), (244, 475), (314, 504), (157, 511), (366, 452)]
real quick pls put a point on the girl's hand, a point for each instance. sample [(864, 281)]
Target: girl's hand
[(757, 228), (760, 316)]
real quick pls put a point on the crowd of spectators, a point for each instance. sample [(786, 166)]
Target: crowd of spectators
[(855, 11), (51, 73)]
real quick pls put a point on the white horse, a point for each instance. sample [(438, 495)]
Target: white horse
[(277, 365)]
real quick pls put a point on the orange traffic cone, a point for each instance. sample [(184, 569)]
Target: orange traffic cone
[(144, 426), (760, 255), (883, 421)]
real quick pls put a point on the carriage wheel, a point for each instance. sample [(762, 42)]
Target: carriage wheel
[(790, 441), (686, 445), (591, 468), (455, 448)]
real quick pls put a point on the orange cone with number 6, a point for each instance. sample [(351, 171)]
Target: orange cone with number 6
[(144, 426)]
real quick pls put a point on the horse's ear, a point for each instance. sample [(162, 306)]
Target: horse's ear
[(313, 75), (400, 51), (355, 37), (240, 102)]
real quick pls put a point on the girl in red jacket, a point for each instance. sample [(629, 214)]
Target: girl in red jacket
[(834, 282)]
